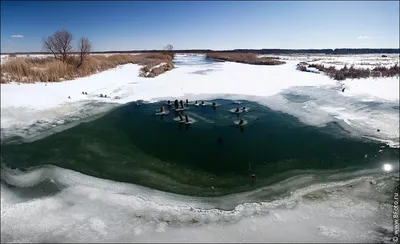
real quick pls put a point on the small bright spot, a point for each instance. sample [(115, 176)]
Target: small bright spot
[(387, 167)]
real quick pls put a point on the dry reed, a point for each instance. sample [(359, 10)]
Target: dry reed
[(246, 58), (48, 69)]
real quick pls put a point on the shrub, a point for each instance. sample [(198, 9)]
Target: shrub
[(339, 75), (357, 73)]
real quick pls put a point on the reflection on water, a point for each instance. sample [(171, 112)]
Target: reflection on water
[(211, 155)]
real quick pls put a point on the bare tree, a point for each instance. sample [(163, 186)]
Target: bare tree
[(168, 47), (168, 50), (84, 48), (59, 44)]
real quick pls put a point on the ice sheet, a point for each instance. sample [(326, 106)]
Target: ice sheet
[(84, 208)]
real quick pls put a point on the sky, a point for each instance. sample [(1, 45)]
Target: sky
[(135, 25)]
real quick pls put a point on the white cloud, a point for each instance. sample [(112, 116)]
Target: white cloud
[(16, 36), (363, 37)]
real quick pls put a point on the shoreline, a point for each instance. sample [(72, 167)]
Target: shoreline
[(332, 205)]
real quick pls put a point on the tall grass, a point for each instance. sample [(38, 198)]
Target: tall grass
[(29, 70), (246, 58)]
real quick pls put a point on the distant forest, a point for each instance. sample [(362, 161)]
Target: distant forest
[(265, 51), (301, 51)]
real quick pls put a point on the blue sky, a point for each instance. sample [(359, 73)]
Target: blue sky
[(132, 25)]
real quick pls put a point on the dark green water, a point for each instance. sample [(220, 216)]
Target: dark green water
[(213, 156)]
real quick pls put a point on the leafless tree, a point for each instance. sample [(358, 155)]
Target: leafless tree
[(84, 48), (168, 50), (168, 47), (59, 44)]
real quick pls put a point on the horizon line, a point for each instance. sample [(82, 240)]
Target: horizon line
[(219, 50)]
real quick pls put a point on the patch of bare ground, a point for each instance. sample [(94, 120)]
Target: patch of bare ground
[(353, 73), (49, 69), (245, 58)]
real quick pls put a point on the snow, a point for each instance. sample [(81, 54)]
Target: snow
[(6, 57), (359, 61), (158, 66), (43, 96), (343, 210), (313, 70), (339, 61), (387, 88), (89, 209), (40, 104), (154, 67)]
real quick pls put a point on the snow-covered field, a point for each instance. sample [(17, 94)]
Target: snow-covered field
[(6, 57), (339, 61), (328, 212)]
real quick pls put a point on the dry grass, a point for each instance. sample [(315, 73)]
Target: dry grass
[(302, 67), (154, 69), (356, 73), (29, 70), (246, 58)]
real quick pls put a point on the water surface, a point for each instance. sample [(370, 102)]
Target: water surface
[(213, 156)]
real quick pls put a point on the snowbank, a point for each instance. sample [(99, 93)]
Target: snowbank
[(41, 96), (86, 209)]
